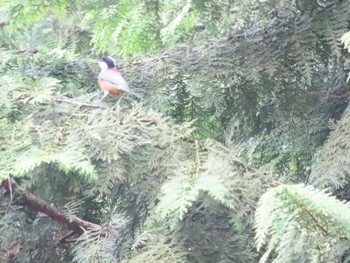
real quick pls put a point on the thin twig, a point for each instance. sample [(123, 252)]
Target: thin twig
[(317, 223), (197, 158), (152, 122), (11, 195), (313, 217), (82, 229), (329, 95), (80, 104), (65, 237)]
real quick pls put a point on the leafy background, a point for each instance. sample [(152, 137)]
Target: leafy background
[(232, 148)]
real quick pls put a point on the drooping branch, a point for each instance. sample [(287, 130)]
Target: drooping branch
[(28, 199), (36, 204)]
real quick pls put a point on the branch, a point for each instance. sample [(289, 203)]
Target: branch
[(314, 219), (151, 122), (9, 179), (56, 214), (65, 237), (240, 49), (198, 162), (330, 96), (77, 225), (81, 104)]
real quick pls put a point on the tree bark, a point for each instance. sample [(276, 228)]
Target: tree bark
[(28, 199)]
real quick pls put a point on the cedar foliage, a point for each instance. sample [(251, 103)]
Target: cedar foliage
[(313, 219), (121, 151), (233, 99)]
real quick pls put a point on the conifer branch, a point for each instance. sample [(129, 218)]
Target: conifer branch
[(188, 56), (77, 225), (317, 223)]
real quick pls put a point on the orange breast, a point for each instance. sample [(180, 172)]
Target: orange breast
[(110, 87)]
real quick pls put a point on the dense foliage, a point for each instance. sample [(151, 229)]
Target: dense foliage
[(237, 122)]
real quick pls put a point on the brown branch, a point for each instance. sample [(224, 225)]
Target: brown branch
[(56, 214), (313, 218), (9, 179), (77, 225), (81, 104), (151, 122)]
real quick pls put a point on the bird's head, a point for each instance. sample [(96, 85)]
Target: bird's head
[(107, 62)]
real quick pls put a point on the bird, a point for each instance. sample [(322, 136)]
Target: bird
[(110, 79)]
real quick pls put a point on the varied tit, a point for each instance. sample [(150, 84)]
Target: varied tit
[(110, 79)]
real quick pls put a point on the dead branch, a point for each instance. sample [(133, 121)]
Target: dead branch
[(28, 199)]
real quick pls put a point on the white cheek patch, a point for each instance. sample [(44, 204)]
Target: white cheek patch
[(103, 65)]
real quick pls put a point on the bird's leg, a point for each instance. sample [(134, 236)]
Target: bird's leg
[(106, 93)]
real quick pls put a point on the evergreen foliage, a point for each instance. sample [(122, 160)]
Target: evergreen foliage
[(292, 216), (330, 168), (231, 103), (94, 246)]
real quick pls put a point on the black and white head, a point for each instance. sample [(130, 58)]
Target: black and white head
[(107, 62)]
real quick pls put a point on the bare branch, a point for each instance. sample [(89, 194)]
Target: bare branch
[(81, 104), (39, 205)]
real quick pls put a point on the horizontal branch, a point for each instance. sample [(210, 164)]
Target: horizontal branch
[(151, 122), (78, 103), (329, 95)]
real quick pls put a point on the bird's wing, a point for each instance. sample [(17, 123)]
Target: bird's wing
[(116, 78)]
